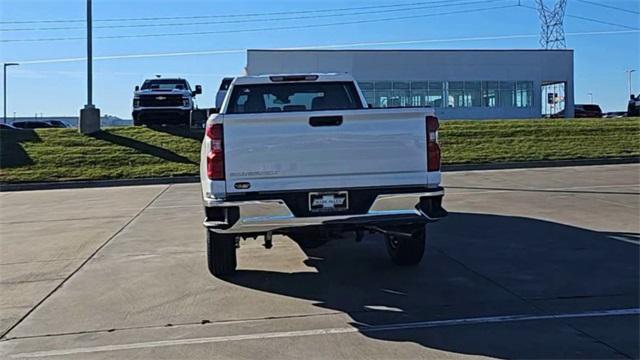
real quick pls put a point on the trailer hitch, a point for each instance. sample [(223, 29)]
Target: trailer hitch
[(388, 233)]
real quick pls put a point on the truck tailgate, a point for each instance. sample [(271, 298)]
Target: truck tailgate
[(283, 151)]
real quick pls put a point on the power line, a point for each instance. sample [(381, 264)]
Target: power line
[(602, 22), (450, 3), (278, 28), (609, 6), (589, 19), (312, 47), (228, 15)]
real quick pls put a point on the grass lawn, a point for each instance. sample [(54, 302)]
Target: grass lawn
[(128, 152)]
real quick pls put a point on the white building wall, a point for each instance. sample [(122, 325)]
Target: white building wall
[(437, 65)]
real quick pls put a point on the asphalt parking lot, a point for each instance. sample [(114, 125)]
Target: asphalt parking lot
[(539, 263)]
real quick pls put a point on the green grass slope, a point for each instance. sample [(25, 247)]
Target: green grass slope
[(135, 152)]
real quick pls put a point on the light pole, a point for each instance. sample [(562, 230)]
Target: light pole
[(5, 87), (89, 54), (629, 80), (89, 115), (590, 97)]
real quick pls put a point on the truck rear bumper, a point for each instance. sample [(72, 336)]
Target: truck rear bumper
[(273, 214), (161, 115)]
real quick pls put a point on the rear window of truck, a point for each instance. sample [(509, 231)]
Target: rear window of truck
[(285, 97)]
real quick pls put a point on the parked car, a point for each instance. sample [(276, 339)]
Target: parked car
[(58, 123), (304, 156), (7, 127), (32, 124), (164, 101), (615, 114), (587, 111)]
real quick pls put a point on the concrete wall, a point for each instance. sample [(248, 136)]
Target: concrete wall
[(447, 65)]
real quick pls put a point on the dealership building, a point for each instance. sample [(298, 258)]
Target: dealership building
[(459, 84)]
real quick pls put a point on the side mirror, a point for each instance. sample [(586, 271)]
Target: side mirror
[(137, 88), (370, 106), (198, 90)]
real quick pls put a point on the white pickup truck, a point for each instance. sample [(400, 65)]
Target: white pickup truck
[(304, 156)]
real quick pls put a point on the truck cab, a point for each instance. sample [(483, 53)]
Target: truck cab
[(164, 101)]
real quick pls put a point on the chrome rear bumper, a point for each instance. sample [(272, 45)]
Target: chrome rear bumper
[(269, 215)]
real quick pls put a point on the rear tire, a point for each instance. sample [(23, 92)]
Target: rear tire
[(221, 253), (406, 251), (186, 119)]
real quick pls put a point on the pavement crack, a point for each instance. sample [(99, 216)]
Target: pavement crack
[(595, 339), (91, 256), (29, 281), (164, 253), (59, 220), (204, 322), (38, 261)]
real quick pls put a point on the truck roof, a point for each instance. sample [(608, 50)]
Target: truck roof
[(268, 78), (160, 79)]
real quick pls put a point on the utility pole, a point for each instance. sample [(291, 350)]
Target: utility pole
[(551, 24), (89, 54), (5, 88), (90, 115), (629, 72)]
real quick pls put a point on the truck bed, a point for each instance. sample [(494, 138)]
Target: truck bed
[(325, 149)]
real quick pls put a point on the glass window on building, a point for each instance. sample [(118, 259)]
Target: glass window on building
[(435, 94), (489, 93), (456, 94), (401, 94), (524, 94), (365, 85), (368, 91), (383, 94), (507, 94), (418, 93), (472, 93)]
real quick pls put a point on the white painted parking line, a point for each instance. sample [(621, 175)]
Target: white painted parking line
[(176, 206), (472, 190), (620, 238), (327, 331)]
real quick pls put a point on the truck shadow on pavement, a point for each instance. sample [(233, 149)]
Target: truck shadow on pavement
[(480, 265)]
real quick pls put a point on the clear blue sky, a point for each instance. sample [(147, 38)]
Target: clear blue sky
[(60, 88)]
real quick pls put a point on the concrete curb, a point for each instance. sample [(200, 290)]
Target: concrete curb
[(77, 184), (540, 164)]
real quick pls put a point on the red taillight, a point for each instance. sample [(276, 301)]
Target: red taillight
[(433, 156), (215, 157), (432, 128), (433, 149)]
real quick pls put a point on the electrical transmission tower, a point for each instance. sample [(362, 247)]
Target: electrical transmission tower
[(551, 27)]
